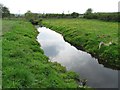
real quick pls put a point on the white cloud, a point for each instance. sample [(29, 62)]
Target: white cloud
[(58, 6)]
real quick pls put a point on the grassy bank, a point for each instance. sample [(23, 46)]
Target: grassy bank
[(87, 35), (24, 63), (0, 53)]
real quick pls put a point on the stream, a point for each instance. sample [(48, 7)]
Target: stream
[(58, 50)]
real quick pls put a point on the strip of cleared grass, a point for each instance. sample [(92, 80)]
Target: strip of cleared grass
[(24, 63), (87, 35)]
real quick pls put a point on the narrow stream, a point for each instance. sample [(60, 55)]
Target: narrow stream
[(57, 49)]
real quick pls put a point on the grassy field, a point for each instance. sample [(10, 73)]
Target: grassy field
[(0, 53), (87, 35), (24, 63)]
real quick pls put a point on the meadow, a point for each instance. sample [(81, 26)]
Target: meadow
[(99, 38), (24, 64), (0, 53)]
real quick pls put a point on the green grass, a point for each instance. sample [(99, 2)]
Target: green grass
[(24, 64), (0, 53), (87, 34)]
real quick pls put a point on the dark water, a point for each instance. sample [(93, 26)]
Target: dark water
[(81, 62)]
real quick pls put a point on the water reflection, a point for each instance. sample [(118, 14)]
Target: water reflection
[(81, 62)]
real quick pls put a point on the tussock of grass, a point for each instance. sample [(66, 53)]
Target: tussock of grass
[(24, 63), (87, 34)]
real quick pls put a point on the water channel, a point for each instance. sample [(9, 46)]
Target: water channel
[(58, 50)]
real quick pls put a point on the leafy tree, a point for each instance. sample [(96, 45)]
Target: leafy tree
[(75, 15), (34, 18), (88, 14), (1, 10), (29, 15), (89, 11), (5, 11), (1, 7)]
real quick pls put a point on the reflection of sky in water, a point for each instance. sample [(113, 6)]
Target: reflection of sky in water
[(81, 62)]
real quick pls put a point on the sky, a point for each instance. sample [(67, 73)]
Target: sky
[(60, 6)]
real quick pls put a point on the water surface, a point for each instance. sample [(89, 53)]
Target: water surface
[(76, 60)]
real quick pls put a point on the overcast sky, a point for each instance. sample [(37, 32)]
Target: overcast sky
[(58, 6)]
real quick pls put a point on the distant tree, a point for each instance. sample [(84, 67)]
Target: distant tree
[(88, 14), (34, 18), (89, 11), (12, 15), (1, 10), (1, 7), (75, 15), (5, 11), (29, 15)]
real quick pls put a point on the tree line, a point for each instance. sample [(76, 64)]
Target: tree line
[(115, 16), (51, 15), (36, 18)]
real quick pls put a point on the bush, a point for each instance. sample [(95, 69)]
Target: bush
[(103, 16)]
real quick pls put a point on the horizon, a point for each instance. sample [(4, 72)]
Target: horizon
[(60, 6)]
